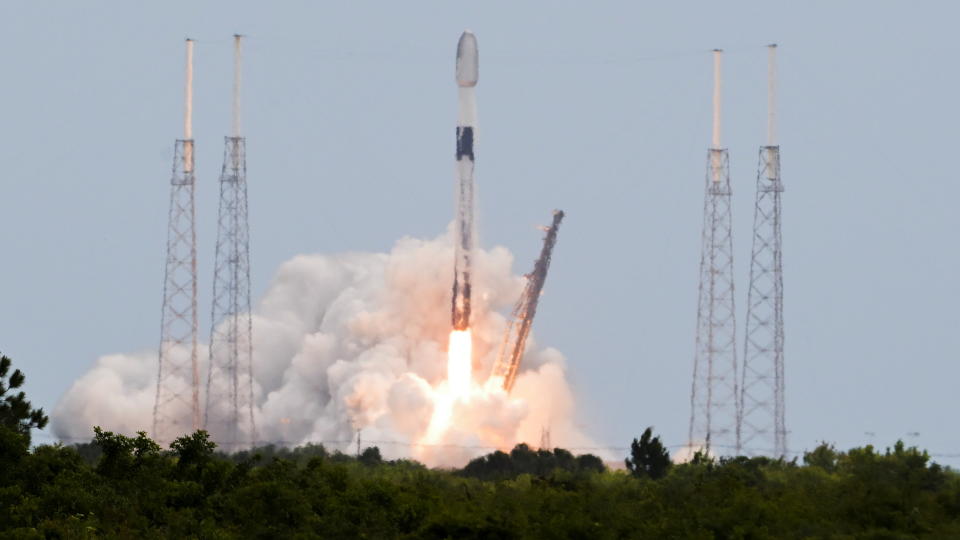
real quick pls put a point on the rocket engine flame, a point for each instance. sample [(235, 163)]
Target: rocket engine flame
[(457, 387), (460, 363), (440, 421)]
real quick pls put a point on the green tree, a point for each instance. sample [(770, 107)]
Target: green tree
[(590, 463), (195, 454), (17, 417), (195, 449), (121, 454), (823, 456), (16, 412), (371, 456), (648, 458)]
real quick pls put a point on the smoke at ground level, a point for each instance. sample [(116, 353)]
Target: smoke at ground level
[(358, 341)]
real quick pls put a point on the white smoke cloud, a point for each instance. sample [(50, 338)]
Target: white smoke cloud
[(358, 340)]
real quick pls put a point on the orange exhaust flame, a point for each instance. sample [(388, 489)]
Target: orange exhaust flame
[(458, 385), (460, 364)]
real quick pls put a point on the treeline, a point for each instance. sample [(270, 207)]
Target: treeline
[(129, 487), (134, 489)]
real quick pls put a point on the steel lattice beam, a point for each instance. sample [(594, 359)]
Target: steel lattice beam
[(229, 411), (761, 422), (713, 395), (229, 408), (176, 410)]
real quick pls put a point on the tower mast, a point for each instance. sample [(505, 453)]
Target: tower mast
[(176, 409), (229, 408), (713, 395), (761, 422)]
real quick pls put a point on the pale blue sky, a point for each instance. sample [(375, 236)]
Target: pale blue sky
[(599, 108)]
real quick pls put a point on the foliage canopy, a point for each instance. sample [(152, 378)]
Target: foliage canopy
[(128, 487)]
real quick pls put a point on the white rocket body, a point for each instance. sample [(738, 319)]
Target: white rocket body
[(467, 74)]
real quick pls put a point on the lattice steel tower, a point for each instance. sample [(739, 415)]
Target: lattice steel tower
[(761, 423), (713, 395), (176, 410), (229, 410)]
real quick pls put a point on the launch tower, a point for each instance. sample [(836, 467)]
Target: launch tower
[(229, 409), (176, 409), (761, 423), (713, 395)]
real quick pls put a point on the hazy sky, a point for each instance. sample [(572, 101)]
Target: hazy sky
[(600, 108)]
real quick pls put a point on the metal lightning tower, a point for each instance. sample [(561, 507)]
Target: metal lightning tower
[(761, 423), (713, 396), (176, 410), (229, 410)]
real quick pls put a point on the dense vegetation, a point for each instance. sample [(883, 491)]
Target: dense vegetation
[(120, 486)]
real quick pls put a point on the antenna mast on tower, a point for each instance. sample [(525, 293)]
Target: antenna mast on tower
[(762, 391), (176, 409), (229, 410), (713, 395)]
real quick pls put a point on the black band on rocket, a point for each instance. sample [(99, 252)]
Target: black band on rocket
[(464, 142)]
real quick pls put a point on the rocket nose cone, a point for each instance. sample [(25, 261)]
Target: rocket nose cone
[(468, 69)]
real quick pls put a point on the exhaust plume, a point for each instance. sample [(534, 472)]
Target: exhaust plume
[(358, 341)]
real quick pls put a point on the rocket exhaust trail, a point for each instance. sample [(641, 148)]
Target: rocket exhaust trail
[(467, 74)]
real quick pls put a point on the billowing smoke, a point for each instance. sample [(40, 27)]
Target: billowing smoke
[(358, 341)]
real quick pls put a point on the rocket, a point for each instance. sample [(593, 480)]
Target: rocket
[(464, 234)]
